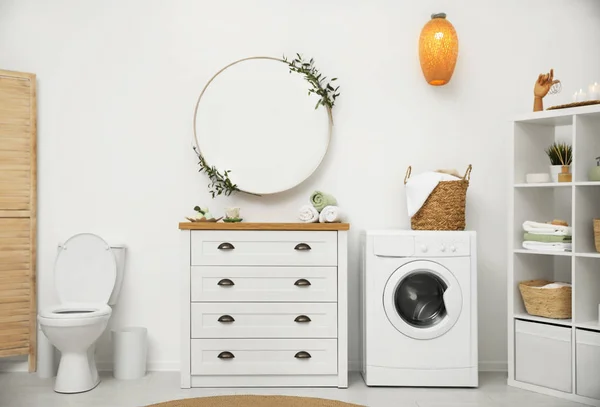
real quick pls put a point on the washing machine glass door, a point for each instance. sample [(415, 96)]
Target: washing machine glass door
[(422, 299)]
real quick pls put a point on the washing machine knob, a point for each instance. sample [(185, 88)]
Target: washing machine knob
[(442, 248), (424, 248), (453, 248)]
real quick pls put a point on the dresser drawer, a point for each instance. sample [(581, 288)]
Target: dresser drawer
[(264, 320), (263, 248), (263, 284), (263, 356)]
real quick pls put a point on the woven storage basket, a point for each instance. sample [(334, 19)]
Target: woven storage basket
[(549, 302), (597, 234), (444, 209)]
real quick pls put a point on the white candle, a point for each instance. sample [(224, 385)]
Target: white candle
[(580, 96), (594, 91)]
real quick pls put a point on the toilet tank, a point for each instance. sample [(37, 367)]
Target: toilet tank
[(119, 251)]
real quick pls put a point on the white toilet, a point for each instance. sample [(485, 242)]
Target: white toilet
[(88, 274)]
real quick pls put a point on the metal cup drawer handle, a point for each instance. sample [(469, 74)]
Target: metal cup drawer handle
[(225, 282), (302, 318), (226, 246), (302, 282), (302, 355), (226, 319), (226, 355), (302, 247)]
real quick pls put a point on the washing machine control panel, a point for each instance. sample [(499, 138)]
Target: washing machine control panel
[(442, 246)]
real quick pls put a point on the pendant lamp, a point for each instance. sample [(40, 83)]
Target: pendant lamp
[(438, 50)]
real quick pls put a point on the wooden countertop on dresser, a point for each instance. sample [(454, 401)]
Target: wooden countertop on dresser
[(262, 226)]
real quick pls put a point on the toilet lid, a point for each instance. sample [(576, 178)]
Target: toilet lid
[(85, 270)]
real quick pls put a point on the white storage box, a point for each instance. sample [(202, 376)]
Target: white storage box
[(588, 363), (543, 355)]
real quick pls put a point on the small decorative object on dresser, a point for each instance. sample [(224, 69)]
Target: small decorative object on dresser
[(232, 215), (560, 155), (545, 84), (204, 215), (264, 304)]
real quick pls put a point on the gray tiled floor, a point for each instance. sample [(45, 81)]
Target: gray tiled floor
[(24, 390)]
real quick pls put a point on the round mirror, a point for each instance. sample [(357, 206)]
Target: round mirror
[(257, 120)]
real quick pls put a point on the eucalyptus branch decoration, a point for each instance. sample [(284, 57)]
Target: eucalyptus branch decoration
[(320, 86), (220, 183)]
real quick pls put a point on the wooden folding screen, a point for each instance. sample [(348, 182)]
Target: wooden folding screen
[(18, 181)]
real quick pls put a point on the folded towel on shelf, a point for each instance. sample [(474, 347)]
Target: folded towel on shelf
[(330, 214), (539, 228), (419, 187), (308, 214), (320, 200), (548, 247), (532, 237)]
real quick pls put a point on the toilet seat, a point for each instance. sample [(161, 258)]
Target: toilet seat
[(74, 314), (77, 310)]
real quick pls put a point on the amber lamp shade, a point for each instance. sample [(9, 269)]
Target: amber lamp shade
[(438, 50)]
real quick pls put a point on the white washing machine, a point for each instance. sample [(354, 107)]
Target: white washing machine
[(419, 308)]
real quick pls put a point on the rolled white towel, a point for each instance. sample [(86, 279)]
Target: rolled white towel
[(308, 214), (331, 214)]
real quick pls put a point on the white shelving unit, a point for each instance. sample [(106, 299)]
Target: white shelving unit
[(532, 340)]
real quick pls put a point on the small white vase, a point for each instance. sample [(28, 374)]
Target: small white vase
[(554, 171)]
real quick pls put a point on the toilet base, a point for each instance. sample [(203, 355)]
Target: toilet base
[(77, 372)]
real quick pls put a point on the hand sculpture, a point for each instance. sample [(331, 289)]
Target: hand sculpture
[(541, 89)]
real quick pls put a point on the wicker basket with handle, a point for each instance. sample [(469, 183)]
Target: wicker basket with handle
[(444, 209), (546, 302)]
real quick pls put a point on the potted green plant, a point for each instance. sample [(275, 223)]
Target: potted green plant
[(560, 155)]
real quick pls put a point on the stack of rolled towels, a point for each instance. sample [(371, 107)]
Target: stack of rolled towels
[(323, 208), (551, 237)]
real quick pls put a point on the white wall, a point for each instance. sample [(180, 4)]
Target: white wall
[(118, 81)]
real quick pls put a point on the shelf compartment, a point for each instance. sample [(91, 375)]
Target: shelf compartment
[(538, 267), (530, 143), (539, 205), (526, 317), (587, 207), (586, 293), (588, 146)]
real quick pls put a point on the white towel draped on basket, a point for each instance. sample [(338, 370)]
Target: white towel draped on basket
[(308, 214), (419, 187), (330, 214)]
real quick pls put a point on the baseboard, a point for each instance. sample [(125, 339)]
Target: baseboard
[(11, 366), (151, 366), (355, 366), (493, 366)]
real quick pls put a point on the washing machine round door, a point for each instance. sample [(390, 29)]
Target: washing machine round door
[(422, 299)]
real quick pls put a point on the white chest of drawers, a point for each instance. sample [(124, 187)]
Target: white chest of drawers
[(264, 304)]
